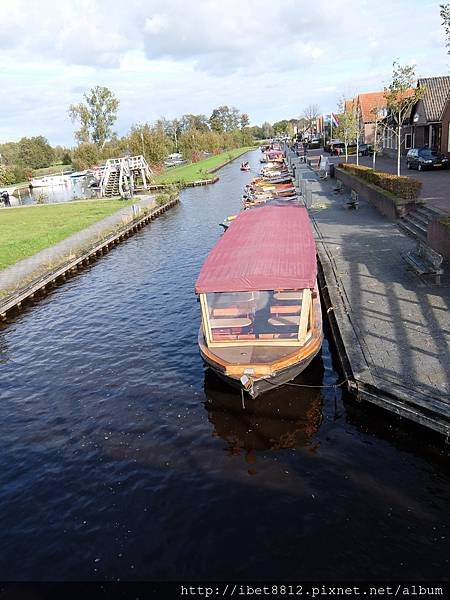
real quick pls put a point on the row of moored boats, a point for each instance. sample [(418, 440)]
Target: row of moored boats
[(261, 316)]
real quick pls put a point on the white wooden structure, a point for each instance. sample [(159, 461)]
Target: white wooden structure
[(124, 175)]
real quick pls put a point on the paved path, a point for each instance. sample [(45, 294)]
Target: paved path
[(435, 184), (396, 326)]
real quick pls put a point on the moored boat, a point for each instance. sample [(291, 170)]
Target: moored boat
[(77, 174), (50, 181), (261, 317)]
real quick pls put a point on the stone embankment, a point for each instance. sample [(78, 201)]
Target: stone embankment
[(391, 326), (26, 278)]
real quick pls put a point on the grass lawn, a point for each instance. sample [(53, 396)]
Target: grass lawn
[(198, 171), (24, 231), (53, 170)]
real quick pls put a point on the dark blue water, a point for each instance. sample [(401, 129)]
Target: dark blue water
[(121, 459)]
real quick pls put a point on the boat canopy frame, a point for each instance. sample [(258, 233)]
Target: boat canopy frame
[(304, 331)]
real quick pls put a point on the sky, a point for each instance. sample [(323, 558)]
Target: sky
[(268, 58)]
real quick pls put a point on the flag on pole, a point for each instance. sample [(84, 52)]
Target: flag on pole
[(334, 120)]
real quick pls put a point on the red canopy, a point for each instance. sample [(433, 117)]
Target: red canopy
[(266, 248)]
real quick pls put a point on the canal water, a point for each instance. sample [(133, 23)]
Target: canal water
[(122, 458)]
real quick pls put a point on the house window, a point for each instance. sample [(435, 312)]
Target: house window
[(407, 141)]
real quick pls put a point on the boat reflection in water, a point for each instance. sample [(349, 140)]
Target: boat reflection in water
[(286, 417)]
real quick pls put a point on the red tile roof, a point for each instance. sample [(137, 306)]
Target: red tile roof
[(370, 101), (348, 104)]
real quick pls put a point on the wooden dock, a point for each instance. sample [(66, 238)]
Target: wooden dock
[(391, 327), (39, 287)]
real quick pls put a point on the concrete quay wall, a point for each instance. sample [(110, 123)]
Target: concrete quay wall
[(391, 327)]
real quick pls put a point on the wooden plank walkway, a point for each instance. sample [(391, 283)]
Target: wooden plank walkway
[(392, 328)]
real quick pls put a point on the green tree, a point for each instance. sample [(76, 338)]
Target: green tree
[(84, 156), (172, 128), (35, 152), (199, 122), (66, 159), (244, 121), (445, 14), (400, 98), (9, 153), (152, 141), (267, 130), (225, 119), (192, 142), (256, 132), (280, 127), (96, 116), (347, 130), (116, 147)]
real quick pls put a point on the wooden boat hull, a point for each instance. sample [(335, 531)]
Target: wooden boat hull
[(262, 385)]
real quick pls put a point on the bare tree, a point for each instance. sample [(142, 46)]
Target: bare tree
[(310, 114), (379, 124), (400, 98), (348, 124)]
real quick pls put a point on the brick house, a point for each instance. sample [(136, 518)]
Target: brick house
[(367, 104), (428, 123), (430, 117)]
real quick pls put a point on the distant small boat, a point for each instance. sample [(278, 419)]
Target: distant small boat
[(50, 181), (245, 166)]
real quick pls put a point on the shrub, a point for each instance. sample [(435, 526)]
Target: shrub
[(170, 192), (7, 175), (22, 173), (403, 187), (85, 156), (162, 199)]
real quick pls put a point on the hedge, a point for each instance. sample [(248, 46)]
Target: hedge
[(403, 187)]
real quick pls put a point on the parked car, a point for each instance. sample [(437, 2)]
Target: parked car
[(337, 148), (329, 143), (425, 158), (365, 150)]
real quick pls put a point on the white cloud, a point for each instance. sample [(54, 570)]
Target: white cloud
[(268, 58), (156, 24)]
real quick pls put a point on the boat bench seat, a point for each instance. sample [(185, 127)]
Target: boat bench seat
[(231, 337), (276, 336), (231, 311), (285, 309), (284, 321)]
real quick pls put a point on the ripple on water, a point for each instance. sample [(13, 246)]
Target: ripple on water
[(119, 458)]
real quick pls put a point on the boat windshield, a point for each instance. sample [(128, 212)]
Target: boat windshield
[(262, 317)]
